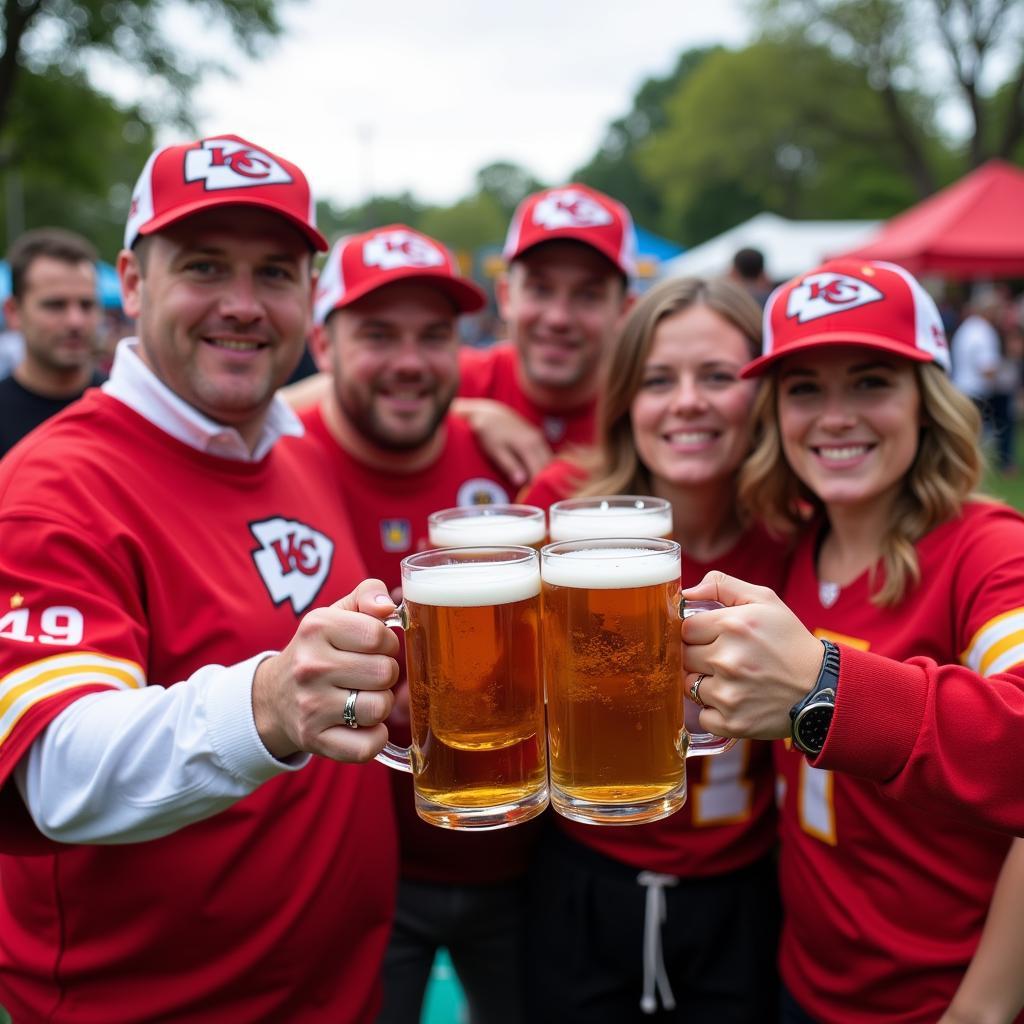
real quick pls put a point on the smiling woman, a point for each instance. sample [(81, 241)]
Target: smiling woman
[(674, 422), (849, 424), (902, 583)]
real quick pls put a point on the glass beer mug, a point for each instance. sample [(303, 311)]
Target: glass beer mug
[(617, 738), (613, 515), (471, 618), (470, 525)]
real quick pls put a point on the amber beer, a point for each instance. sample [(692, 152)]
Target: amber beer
[(614, 515), (613, 672), (471, 525), (472, 619)]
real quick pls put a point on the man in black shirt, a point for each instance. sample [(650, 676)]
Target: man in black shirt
[(53, 304)]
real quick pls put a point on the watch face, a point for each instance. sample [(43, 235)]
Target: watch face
[(811, 727)]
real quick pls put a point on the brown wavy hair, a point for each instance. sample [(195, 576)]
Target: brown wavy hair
[(614, 467), (945, 473)]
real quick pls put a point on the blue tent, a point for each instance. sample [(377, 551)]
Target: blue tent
[(654, 246), (109, 286)]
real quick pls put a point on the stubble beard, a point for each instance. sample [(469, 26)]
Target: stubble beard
[(369, 425)]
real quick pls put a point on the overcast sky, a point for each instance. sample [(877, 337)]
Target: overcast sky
[(390, 95)]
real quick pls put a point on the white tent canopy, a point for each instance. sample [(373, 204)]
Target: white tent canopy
[(789, 246)]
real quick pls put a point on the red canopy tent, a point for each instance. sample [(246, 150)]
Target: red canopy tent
[(972, 228)]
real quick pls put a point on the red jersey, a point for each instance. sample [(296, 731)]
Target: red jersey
[(389, 510), (494, 373), (129, 558), (389, 515), (728, 820), (926, 756), (558, 480), (885, 903)]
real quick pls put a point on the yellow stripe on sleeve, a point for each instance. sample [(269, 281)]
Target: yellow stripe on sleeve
[(841, 638), (26, 686), (998, 645)]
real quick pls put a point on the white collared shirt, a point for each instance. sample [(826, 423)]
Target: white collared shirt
[(132, 382), (124, 766)]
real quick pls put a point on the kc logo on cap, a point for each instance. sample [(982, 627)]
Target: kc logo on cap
[(866, 303), (232, 163), (824, 294), (360, 264), (574, 213), (390, 250), (570, 208), (179, 181)]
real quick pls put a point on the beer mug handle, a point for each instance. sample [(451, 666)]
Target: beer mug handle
[(399, 758), (703, 744)]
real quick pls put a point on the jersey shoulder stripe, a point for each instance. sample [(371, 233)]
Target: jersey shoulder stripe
[(26, 686), (998, 645)]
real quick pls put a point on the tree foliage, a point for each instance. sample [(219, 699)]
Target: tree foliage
[(77, 173), (614, 168), (42, 35), (69, 154), (506, 184), (335, 221), (781, 126), (897, 43), (475, 221)]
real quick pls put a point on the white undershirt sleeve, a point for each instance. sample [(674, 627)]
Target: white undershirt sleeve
[(125, 766)]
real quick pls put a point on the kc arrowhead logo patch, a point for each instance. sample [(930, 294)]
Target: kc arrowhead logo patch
[(828, 293), (293, 560), (568, 208), (225, 163), (390, 250)]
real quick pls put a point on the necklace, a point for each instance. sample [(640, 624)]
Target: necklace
[(828, 593)]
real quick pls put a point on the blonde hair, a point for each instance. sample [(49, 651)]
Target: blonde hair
[(614, 467), (945, 473)]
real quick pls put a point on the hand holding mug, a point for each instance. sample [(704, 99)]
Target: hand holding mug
[(337, 671), (757, 658)]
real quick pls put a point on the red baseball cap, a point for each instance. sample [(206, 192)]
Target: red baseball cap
[(580, 214), (852, 302), (178, 181), (360, 264)]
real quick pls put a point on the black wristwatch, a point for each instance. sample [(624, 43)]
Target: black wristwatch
[(812, 716)]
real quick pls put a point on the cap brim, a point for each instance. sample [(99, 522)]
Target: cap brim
[(762, 364), (572, 235), (466, 296), (188, 209)]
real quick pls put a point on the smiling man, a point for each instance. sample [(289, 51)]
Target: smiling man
[(53, 303), (571, 254), (387, 308), (169, 653)]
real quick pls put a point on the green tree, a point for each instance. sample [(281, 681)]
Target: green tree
[(896, 43), (377, 212), (783, 126), (40, 35), (79, 171), (614, 168), (477, 220), (469, 224), (506, 184)]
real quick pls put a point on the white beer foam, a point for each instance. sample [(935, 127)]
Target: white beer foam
[(611, 568), (594, 523), (472, 531), (473, 584)]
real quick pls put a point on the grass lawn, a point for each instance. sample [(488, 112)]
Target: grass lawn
[(1009, 488)]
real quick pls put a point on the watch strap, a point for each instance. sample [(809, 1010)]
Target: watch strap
[(815, 709)]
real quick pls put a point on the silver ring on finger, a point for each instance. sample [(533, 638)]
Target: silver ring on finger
[(348, 716), (695, 691)]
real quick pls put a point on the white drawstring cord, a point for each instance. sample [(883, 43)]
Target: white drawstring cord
[(655, 912)]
